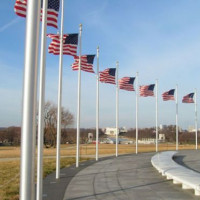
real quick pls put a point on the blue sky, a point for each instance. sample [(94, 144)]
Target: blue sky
[(159, 39)]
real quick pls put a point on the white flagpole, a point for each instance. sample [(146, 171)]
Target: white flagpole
[(27, 173), (136, 114), (196, 124), (79, 101), (97, 108), (117, 107), (156, 115), (41, 103), (59, 95), (176, 117)]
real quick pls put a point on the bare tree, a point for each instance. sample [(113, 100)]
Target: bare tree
[(50, 120), (3, 135), (10, 136)]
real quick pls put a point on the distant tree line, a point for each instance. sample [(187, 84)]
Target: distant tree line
[(185, 137), (12, 135)]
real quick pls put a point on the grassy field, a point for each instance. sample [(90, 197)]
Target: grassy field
[(9, 179), (89, 149), (10, 161)]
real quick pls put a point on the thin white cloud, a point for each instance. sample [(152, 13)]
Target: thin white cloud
[(95, 16), (6, 26)]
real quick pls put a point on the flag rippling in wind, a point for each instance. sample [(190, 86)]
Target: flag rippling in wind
[(108, 76), (52, 11), (169, 95), (188, 98), (147, 90), (86, 63), (70, 43), (20, 7), (126, 83)]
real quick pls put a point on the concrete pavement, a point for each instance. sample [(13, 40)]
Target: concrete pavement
[(189, 159), (126, 177)]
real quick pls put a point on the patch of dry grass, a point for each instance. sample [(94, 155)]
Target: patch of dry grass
[(9, 152), (105, 149), (10, 178), (89, 149)]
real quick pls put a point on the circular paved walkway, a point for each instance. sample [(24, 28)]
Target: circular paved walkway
[(123, 178), (126, 177)]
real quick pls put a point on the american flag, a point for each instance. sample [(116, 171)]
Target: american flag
[(108, 76), (86, 63), (169, 95), (188, 98), (147, 90), (52, 11), (126, 83), (70, 43)]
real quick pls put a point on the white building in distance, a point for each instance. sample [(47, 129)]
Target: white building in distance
[(113, 131), (161, 138), (147, 141), (192, 129)]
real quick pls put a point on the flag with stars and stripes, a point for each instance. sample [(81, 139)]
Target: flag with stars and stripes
[(108, 76), (126, 83), (86, 63), (188, 98), (52, 11), (147, 90), (70, 43), (169, 95)]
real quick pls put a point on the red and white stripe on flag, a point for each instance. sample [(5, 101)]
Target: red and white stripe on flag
[(85, 66), (166, 96), (124, 84), (188, 98), (52, 15), (145, 91), (106, 77), (54, 46)]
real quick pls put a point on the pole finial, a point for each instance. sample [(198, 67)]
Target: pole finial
[(80, 27)]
